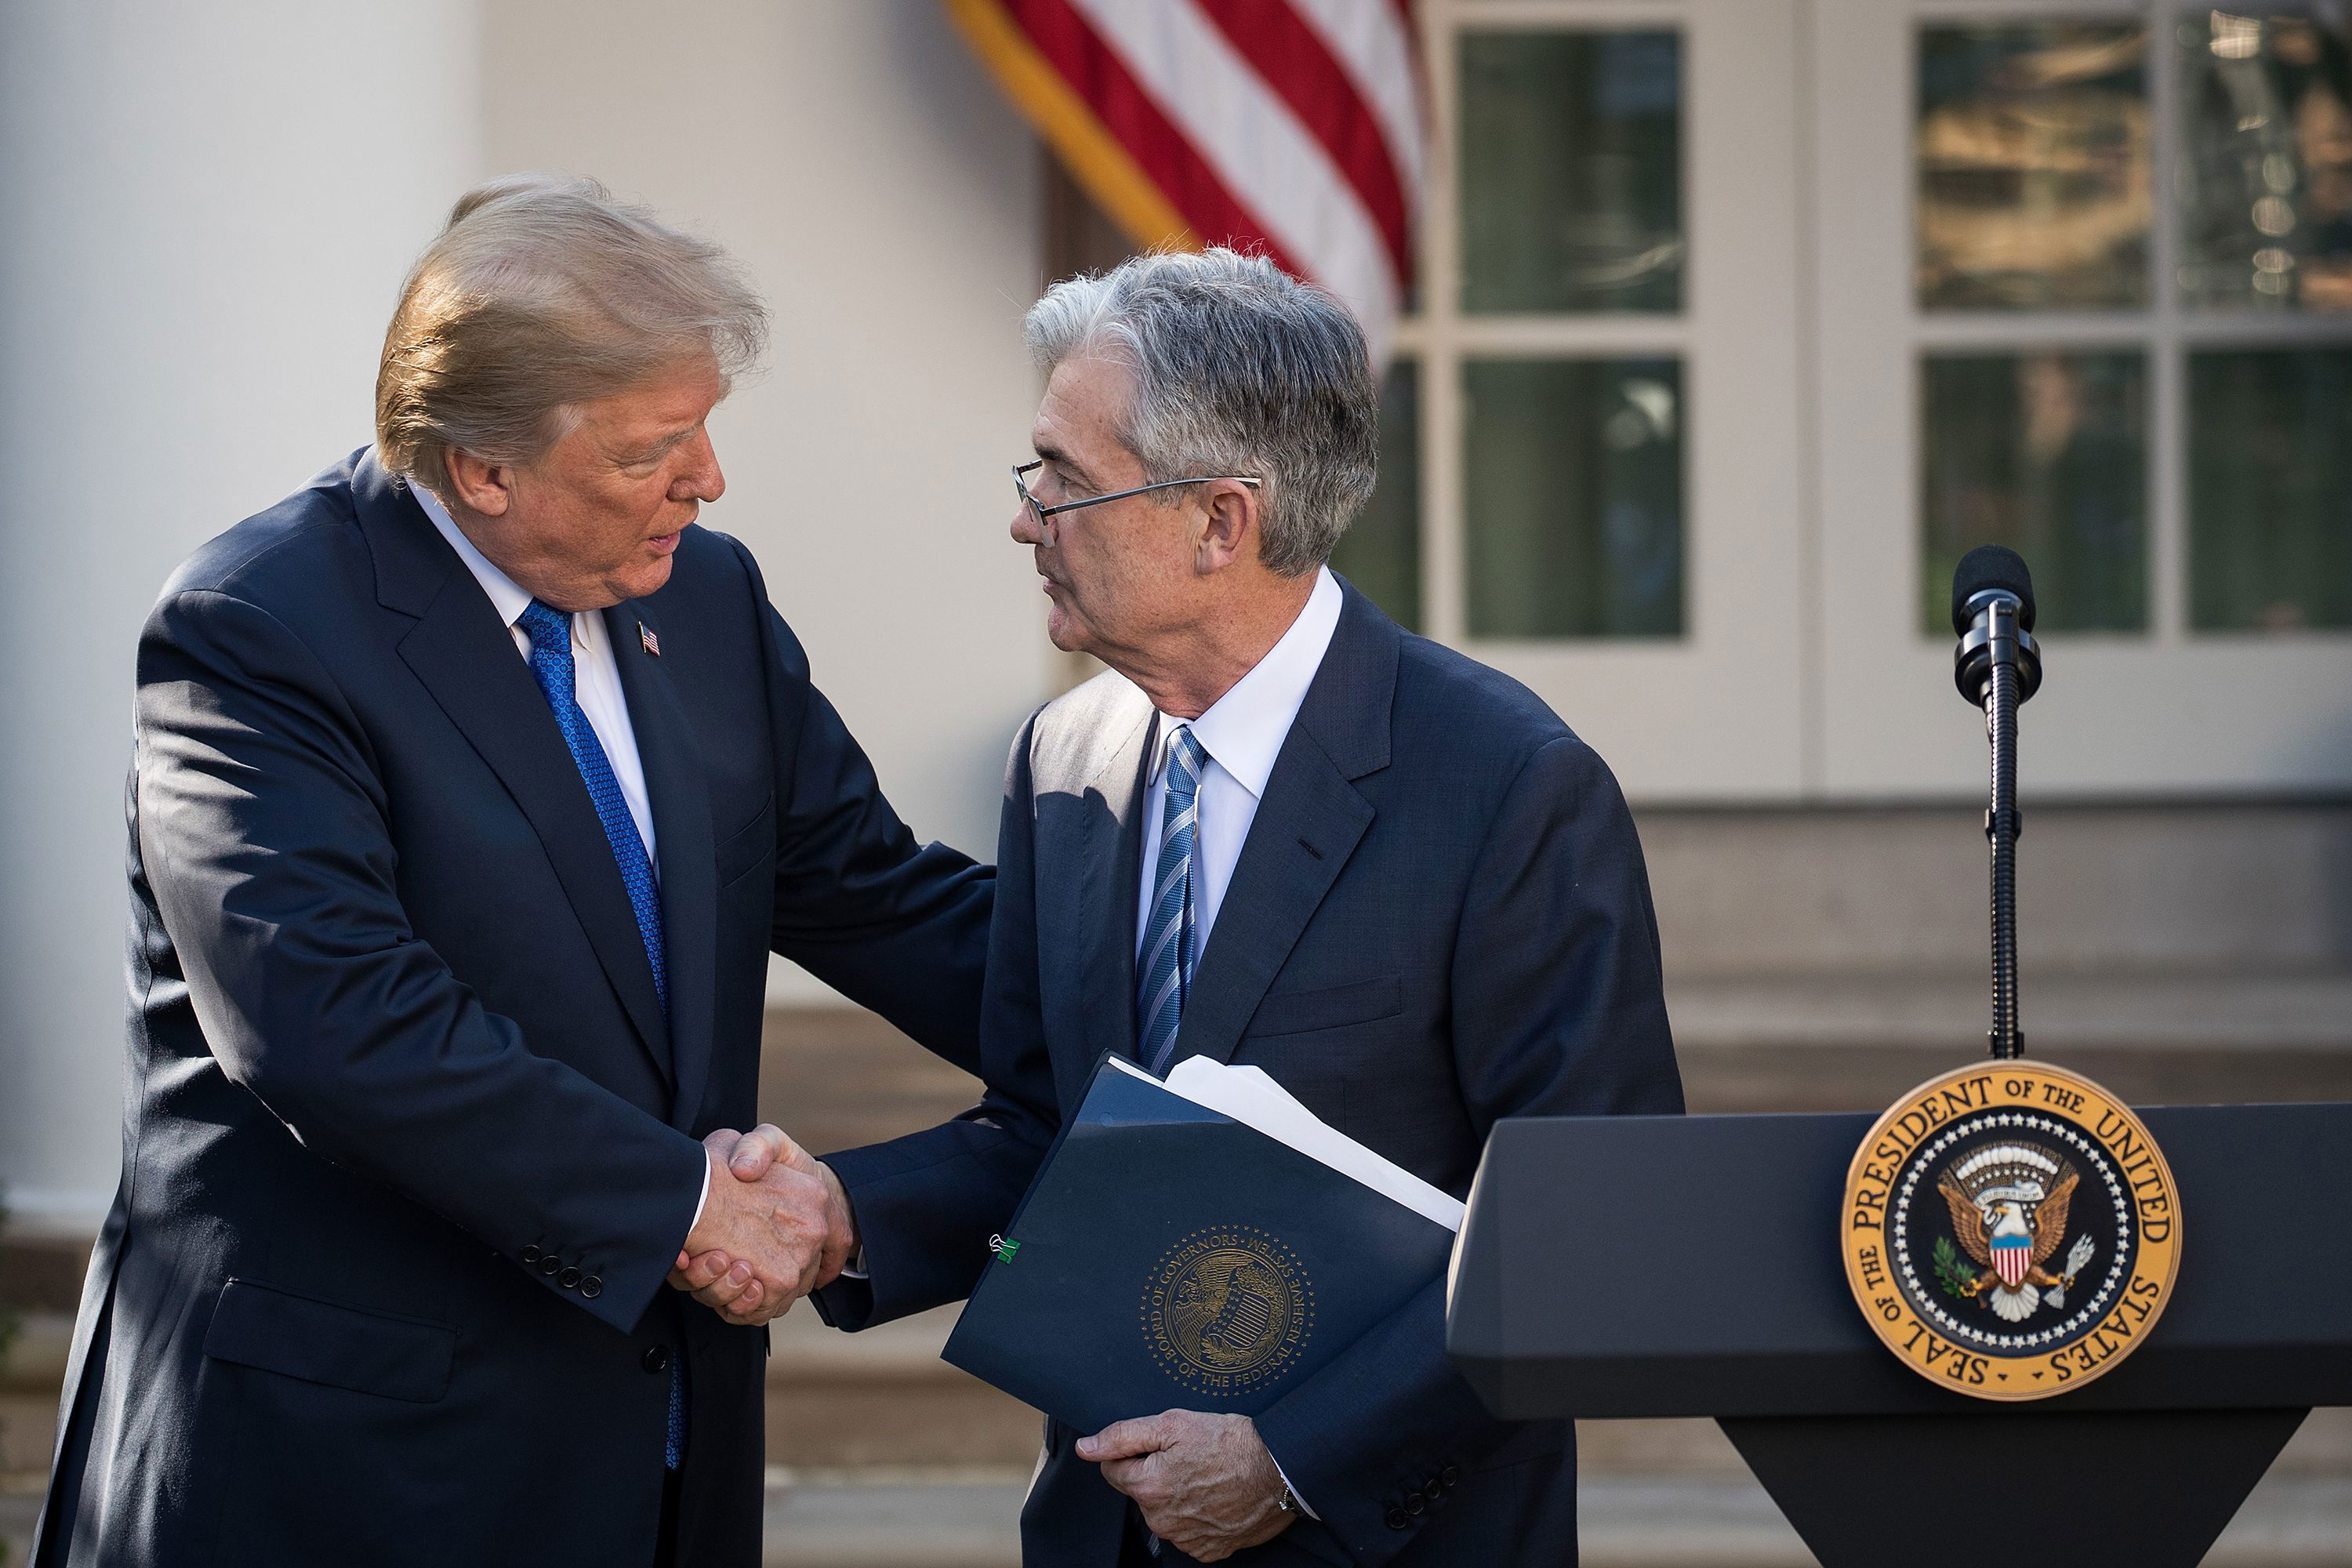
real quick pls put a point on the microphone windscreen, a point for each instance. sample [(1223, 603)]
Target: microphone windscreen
[(1991, 566)]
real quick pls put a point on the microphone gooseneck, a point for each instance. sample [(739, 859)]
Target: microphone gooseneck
[(1997, 666)]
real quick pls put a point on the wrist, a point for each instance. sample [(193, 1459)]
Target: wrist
[(838, 1196)]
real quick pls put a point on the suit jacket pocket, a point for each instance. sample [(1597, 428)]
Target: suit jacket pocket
[(740, 852), (320, 1341), (1332, 1007)]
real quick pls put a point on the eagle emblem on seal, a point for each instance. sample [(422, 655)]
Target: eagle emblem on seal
[(2009, 1207), (1227, 1309)]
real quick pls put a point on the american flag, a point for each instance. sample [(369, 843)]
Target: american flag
[(1292, 127)]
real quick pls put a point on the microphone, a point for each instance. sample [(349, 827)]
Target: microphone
[(1997, 668), (1992, 614)]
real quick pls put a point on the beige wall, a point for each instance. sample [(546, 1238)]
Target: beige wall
[(207, 212)]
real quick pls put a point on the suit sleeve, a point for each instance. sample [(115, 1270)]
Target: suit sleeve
[(894, 926), (926, 1203), (261, 827), (1558, 1010)]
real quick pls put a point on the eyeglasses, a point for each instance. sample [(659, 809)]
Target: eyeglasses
[(1043, 511)]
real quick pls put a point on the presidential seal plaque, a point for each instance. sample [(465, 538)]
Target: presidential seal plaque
[(2011, 1230), (1227, 1309)]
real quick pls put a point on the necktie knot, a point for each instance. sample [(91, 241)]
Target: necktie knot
[(550, 630), (1185, 757)]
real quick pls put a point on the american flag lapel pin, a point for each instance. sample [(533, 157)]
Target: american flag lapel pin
[(646, 636)]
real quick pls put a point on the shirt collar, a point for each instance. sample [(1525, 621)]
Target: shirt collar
[(1242, 731), (509, 599)]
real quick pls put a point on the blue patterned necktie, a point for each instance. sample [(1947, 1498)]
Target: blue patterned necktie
[(551, 663), (1164, 972)]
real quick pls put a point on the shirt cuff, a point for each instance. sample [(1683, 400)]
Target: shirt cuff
[(699, 1202), (856, 1269), (1293, 1491)]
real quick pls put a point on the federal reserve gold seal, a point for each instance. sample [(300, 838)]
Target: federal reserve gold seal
[(2011, 1230), (1227, 1309)]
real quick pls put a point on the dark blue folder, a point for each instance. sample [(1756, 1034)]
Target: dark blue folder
[(1170, 1258)]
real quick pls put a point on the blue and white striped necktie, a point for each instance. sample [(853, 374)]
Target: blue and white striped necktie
[(1163, 973)]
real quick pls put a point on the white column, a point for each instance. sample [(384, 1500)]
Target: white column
[(205, 212)]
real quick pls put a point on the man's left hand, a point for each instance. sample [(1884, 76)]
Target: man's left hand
[(1205, 1483)]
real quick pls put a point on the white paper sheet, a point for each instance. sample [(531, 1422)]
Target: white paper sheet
[(1252, 1098)]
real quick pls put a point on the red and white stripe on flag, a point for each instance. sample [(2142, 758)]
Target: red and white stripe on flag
[(1292, 127)]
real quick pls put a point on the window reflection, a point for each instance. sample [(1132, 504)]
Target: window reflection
[(1570, 171), (2046, 453), (2266, 160), (2033, 159), (1380, 553), (1574, 484), (2270, 488)]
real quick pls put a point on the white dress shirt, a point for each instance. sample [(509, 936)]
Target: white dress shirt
[(596, 686), (1243, 733)]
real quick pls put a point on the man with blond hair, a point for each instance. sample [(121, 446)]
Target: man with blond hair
[(474, 784)]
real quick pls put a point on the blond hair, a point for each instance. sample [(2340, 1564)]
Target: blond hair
[(542, 293)]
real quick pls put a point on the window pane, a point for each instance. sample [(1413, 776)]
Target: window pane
[(2033, 145), (1381, 553), (1571, 175), (2266, 161), (2046, 453), (1574, 483), (2270, 488)]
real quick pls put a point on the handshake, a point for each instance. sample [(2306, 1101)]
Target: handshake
[(774, 1227)]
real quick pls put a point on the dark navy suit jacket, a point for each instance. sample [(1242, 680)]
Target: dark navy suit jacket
[(1440, 918), (410, 1144)]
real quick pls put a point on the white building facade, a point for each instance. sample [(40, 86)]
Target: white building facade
[(1737, 320)]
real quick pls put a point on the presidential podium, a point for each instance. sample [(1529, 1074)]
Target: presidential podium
[(1620, 1267)]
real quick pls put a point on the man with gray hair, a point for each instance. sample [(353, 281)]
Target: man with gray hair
[(1282, 831), (474, 784)]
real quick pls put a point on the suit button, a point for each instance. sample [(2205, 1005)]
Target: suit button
[(568, 1279), (549, 1263), (1398, 1519), (1449, 1478), (531, 1254), (592, 1287), (1414, 1502), (655, 1359)]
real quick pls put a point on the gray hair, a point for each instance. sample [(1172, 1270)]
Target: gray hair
[(541, 294), (1239, 369)]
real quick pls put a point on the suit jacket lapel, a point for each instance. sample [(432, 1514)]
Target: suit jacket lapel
[(685, 848), (1307, 827), (467, 661), (1087, 897)]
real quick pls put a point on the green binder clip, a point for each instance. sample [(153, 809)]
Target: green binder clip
[(1002, 1248)]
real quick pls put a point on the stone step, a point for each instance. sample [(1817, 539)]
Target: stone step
[(31, 1372), (961, 1520), (883, 1398), (910, 1522), (836, 1079), (2216, 889)]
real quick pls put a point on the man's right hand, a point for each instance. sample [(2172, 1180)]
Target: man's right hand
[(769, 1231)]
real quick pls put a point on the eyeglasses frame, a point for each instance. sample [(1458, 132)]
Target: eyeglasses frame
[(1045, 513)]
